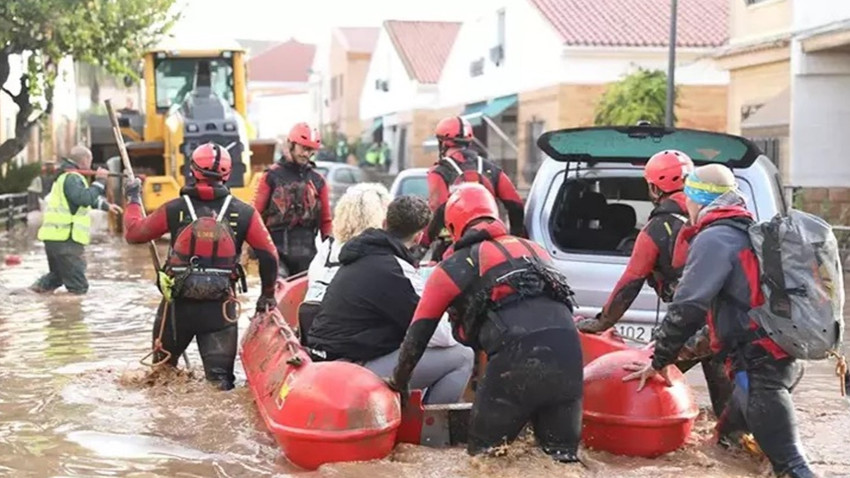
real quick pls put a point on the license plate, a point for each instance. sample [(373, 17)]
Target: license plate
[(638, 333)]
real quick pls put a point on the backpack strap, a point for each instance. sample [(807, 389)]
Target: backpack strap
[(480, 165), (451, 162), (191, 208), (224, 207)]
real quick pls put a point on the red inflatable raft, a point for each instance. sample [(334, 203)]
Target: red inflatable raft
[(619, 419), (318, 412), (334, 411)]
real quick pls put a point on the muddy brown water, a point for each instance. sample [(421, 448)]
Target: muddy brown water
[(74, 400)]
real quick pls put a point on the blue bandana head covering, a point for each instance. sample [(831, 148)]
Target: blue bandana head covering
[(701, 192)]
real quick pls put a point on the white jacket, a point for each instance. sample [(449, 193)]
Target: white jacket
[(323, 268)]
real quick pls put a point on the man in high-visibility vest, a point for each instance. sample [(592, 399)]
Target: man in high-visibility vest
[(66, 223)]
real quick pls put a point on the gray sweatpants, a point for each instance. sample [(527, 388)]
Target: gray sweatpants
[(444, 371)]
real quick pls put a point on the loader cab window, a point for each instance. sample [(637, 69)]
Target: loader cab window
[(175, 79), (600, 215)]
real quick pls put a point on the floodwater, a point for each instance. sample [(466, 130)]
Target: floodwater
[(75, 401)]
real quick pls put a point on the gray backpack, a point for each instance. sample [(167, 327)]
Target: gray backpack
[(802, 282)]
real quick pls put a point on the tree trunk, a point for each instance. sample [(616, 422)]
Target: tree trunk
[(23, 123)]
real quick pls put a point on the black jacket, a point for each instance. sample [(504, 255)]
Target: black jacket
[(370, 301)]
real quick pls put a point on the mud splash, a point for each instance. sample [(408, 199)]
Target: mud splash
[(76, 402)]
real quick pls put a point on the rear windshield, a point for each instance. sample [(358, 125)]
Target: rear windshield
[(635, 145), (603, 215)]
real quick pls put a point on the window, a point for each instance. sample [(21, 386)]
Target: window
[(339, 83), (600, 215), (176, 77), (333, 88), (343, 176), (414, 186), (770, 148), (500, 30), (533, 156)]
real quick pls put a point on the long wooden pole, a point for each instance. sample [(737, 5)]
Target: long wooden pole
[(128, 168)]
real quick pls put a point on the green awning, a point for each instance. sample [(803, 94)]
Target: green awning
[(499, 105), (493, 108), (473, 111)]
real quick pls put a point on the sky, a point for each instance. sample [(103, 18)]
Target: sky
[(308, 21)]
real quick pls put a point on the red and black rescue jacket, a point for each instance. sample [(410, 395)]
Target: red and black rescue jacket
[(652, 258), (171, 217), (442, 176), (294, 196), (495, 287)]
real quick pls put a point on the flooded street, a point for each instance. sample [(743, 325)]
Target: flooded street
[(75, 400)]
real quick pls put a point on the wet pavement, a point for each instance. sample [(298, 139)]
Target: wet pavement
[(75, 401)]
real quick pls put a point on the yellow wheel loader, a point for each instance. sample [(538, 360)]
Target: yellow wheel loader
[(191, 97)]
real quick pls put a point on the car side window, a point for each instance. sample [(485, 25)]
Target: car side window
[(414, 186), (359, 177), (343, 176)]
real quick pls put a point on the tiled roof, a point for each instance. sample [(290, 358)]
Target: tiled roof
[(285, 62), (423, 46), (358, 39), (637, 23)]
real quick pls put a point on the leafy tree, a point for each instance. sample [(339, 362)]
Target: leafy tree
[(641, 95), (111, 34)]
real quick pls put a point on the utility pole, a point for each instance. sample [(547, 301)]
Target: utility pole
[(671, 68)]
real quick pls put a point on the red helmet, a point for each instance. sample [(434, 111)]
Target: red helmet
[(470, 201), (211, 162), (667, 169), (453, 129), (302, 134)]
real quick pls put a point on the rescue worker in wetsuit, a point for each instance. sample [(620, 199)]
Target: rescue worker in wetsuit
[(503, 298), (720, 276), (203, 308), (293, 200), (656, 259), (459, 163), (66, 226)]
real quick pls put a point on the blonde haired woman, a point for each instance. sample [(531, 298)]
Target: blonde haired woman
[(362, 206)]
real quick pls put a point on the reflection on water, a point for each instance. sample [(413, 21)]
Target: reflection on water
[(75, 401)]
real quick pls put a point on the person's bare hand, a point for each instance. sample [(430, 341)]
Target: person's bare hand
[(101, 173), (114, 208), (643, 372)]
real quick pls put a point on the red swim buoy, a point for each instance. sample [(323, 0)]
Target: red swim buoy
[(594, 346), (318, 412), (620, 420), (335, 412), (12, 259)]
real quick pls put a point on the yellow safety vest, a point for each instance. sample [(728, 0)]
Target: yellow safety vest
[(58, 223)]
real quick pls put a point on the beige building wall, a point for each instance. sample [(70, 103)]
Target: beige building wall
[(355, 75), (748, 22), (754, 85), (347, 74), (573, 106), (422, 125), (338, 67)]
